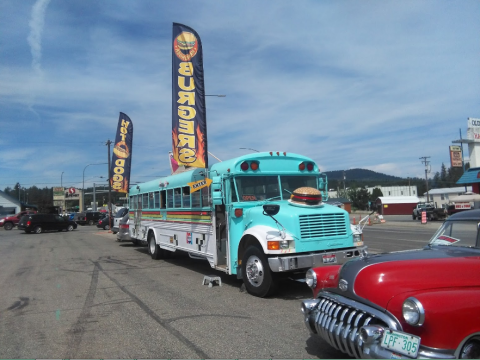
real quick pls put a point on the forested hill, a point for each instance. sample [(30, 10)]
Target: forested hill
[(360, 175)]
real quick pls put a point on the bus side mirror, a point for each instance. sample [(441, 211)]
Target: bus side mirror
[(271, 210), (216, 187)]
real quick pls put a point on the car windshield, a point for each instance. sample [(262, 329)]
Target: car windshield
[(252, 188), (456, 233)]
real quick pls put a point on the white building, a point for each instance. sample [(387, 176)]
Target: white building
[(395, 190), (9, 205), (441, 197), (387, 191)]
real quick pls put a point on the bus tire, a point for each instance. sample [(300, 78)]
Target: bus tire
[(153, 248), (257, 276)]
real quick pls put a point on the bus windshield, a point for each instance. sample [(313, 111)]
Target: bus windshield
[(253, 188)]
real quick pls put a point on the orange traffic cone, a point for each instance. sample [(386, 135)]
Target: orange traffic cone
[(369, 221), (354, 220)]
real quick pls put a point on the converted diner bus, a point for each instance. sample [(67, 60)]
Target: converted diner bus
[(258, 216)]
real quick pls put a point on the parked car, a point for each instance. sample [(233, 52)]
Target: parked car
[(123, 233), (104, 223), (9, 222), (118, 217), (88, 217), (39, 223), (423, 303)]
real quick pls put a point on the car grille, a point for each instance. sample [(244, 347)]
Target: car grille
[(339, 323), (322, 225)]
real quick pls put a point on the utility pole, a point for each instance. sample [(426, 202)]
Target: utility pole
[(109, 187), (427, 170)]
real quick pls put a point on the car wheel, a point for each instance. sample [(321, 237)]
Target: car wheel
[(106, 227), (70, 228), (414, 217), (471, 350), (8, 226), (153, 248), (37, 229), (257, 277), (90, 222), (114, 232)]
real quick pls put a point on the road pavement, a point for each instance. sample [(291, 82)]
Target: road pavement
[(81, 294)]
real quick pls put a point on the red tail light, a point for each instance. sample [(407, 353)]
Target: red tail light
[(29, 223), (124, 226)]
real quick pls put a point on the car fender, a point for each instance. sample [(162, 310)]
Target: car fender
[(451, 315)]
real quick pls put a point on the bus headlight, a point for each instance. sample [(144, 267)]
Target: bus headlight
[(413, 312), (311, 278), (284, 244)]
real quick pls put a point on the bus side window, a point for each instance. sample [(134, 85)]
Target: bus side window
[(196, 199), (163, 199), (170, 198), (177, 197), (186, 196), (145, 201), (132, 203), (151, 203), (157, 200), (205, 191)]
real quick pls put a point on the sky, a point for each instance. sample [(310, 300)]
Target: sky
[(352, 84)]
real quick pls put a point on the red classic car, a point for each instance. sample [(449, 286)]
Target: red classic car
[(409, 304)]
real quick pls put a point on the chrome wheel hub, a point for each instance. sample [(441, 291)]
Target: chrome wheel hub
[(255, 271)]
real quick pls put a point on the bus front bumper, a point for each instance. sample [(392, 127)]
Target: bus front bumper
[(306, 261)]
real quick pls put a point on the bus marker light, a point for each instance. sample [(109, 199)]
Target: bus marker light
[(301, 167), (254, 165), (310, 166), (273, 245), (244, 166), (238, 212)]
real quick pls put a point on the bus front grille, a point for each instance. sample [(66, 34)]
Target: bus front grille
[(322, 226)]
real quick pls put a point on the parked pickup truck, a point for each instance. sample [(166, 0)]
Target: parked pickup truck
[(433, 213), (11, 221)]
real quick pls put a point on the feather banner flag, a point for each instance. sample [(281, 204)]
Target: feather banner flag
[(189, 125)]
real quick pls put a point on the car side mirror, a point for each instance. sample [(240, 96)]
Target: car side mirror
[(271, 209)]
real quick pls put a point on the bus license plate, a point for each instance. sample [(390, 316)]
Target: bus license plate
[(329, 259), (401, 342)]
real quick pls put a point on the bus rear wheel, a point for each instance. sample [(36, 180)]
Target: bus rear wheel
[(153, 248), (257, 276)]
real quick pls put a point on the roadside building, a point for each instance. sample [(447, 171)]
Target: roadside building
[(441, 198), (9, 205), (400, 190), (341, 203), (396, 205)]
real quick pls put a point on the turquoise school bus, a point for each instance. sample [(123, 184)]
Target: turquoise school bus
[(260, 216)]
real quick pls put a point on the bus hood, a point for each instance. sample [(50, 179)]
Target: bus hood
[(308, 224)]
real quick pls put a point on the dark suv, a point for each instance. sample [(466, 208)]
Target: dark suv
[(44, 222), (89, 217)]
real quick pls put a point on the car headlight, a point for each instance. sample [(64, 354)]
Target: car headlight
[(413, 312), (311, 278)]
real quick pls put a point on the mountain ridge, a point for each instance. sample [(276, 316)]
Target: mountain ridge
[(360, 175)]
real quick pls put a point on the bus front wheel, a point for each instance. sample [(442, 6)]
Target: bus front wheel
[(153, 248), (259, 280)]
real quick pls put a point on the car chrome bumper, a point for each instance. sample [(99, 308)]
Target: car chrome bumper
[(339, 321), (301, 261)]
